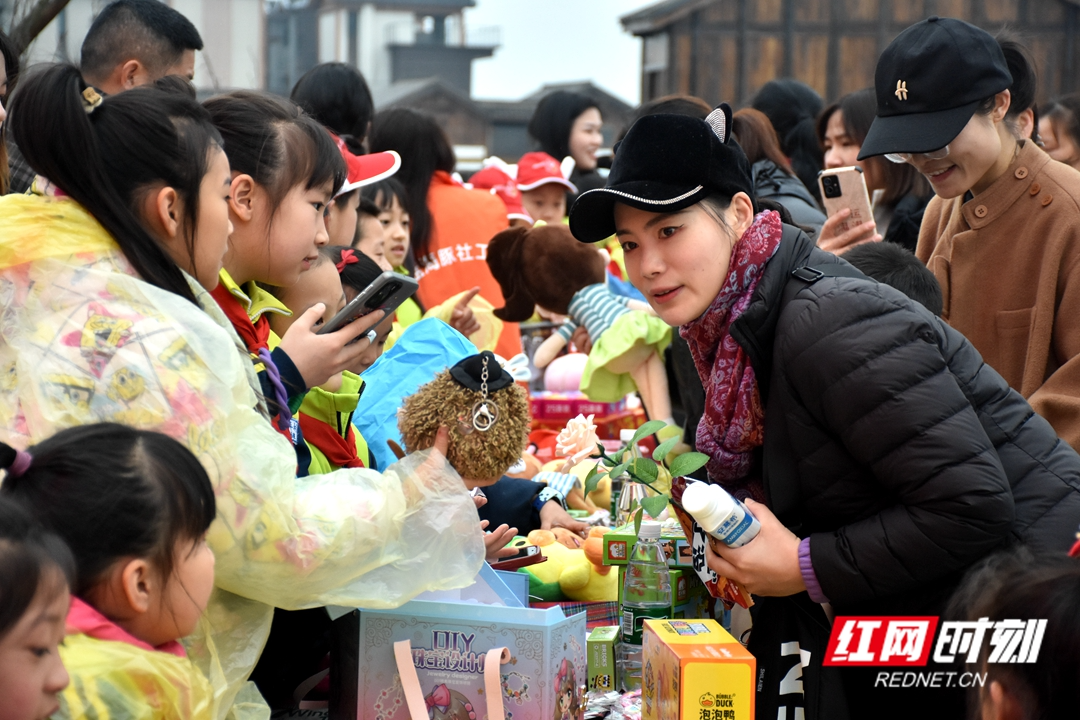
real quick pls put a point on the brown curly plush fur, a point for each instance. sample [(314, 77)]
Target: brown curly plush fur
[(475, 455)]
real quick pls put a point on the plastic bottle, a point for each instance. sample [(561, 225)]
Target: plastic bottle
[(719, 514), (646, 594)]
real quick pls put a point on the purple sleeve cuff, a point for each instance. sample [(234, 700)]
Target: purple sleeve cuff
[(813, 587)]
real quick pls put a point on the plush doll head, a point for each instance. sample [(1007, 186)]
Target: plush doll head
[(446, 704), (488, 419), (542, 266)]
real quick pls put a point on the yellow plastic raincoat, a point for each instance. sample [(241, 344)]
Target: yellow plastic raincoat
[(82, 339)]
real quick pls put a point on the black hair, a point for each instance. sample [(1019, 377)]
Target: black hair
[(337, 96), (111, 492), (553, 119), (357, 275), (146, 30), (791, 107), (897, 267), (11, 69), (32, 560), (858, 110), (1017, 585), (108, 159), (273, 141), (382, 193), (1025, 82), (1063, 113), (424, 148), (669, 105)]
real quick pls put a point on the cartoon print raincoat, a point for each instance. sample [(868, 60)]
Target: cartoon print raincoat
[(82, 339)]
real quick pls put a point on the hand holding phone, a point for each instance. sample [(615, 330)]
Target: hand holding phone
[(385, 293), (847, 203)]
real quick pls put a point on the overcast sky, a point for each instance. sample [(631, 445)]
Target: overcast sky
[(546, 41)]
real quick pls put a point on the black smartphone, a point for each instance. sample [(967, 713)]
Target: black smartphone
[(386, 293)]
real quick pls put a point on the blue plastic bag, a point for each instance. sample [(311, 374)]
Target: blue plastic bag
[(425, 349)]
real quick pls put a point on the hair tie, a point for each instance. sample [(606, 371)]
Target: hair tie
[(91, 100), (348, 257), (20, 464)]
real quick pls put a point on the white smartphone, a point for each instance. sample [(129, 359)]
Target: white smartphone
[(385, 293), (846, 188)]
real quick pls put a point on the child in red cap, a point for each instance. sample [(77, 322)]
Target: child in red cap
[(543, 186)]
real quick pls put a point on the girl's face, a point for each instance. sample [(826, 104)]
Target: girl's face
[(297, 231), (213, 227), (186, 594), (396, 226), (1058, 144), (31, 673), (372, 242), (586, 138), (842, 150), (375, 350), (547, 203), (341, 219), (321, 284), (679, 261), (977, 156)]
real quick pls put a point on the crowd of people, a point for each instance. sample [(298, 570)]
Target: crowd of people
[(186, 487)]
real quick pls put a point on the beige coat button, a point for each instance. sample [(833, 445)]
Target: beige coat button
[(1047, 199), (1034, 189), (981, 211), (1021, 173)]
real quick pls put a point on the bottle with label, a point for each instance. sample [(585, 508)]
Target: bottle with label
[(646, 594), (720, 514)]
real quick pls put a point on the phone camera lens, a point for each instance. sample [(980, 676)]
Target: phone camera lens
[(831, 185)]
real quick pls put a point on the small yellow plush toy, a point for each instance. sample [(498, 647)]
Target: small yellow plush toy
[(577, 577)]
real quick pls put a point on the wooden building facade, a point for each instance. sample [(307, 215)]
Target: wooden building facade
[(724, 50)]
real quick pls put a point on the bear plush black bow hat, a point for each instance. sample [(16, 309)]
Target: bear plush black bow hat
[(664, 164)]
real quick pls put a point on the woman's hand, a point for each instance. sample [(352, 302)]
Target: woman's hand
[(552, 515), (833, 240), (318, 357), (462, 318), (495, 541), (768, 565)]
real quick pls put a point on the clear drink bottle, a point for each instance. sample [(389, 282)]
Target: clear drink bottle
[(646, 594)]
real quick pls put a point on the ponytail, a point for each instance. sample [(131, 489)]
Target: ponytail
[(105, 155)]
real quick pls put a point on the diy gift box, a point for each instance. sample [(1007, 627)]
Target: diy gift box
[(694, 669), (449, 638)]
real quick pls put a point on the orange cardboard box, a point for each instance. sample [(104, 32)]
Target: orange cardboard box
[(693, 670)]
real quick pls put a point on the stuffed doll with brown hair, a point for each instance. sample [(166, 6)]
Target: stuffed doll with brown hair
[(546, 267), (486, 412)]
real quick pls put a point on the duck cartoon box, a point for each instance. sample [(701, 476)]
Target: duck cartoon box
[(693, 670), (543, 680)]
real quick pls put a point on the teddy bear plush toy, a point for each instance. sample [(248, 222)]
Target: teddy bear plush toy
[(545, 267)]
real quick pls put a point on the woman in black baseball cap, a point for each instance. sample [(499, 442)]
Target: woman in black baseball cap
[(1003, 234), (832, 403)]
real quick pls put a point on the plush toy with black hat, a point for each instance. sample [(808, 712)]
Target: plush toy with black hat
[(486, 412), (930, 81), (546, 267)]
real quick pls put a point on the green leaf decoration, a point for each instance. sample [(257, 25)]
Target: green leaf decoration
[(688, 463), (592, 480), (618, 470), (653, 426), (637, 521), (645, 470), (654, 505), (664, 448)]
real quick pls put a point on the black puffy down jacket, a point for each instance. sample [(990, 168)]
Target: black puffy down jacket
[(890, 443)]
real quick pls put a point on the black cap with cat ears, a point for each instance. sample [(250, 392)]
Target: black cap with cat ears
[(664, 164)]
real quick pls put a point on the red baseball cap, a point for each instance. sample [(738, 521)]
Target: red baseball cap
[(495, 179), (538, 168), (366, 169)]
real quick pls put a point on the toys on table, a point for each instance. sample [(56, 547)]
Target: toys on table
[(568, 573)]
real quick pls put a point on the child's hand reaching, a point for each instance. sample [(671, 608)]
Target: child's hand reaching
[(495, 541), (318, 357), (462, 318)]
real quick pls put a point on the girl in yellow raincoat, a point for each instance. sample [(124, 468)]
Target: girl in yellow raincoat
[(104, 315), (134, 506)]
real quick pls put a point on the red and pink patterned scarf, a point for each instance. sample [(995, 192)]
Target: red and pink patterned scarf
[(733, 423)]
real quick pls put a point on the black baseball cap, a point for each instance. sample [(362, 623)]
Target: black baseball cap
[(665, 163), (930, 80)]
